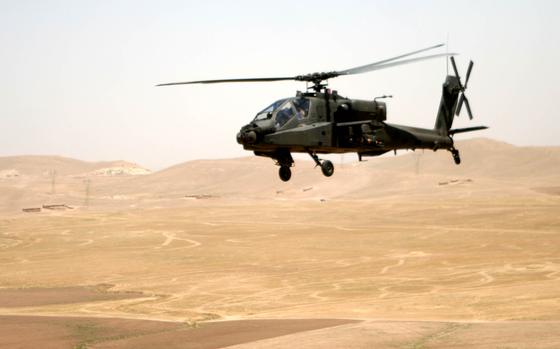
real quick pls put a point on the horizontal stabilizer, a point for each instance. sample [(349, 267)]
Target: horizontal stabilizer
[(467, 129)]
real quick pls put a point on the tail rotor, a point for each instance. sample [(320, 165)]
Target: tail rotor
[(462, 99)]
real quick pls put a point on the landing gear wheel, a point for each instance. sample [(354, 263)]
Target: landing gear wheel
[(327, 168), (456, 156), (285, 173)]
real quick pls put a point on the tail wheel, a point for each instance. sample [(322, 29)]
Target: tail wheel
[(327, 168), (456, 156), (285, 173)]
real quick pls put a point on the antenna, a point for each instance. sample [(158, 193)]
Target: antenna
[(447, 51)]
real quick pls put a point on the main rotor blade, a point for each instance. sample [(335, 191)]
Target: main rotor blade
[(460, 105), (370, 67), (468, 108), (227, 80), (317, 77), (391, 59), (468, 73)]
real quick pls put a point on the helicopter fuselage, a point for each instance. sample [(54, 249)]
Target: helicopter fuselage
[(333, 124)]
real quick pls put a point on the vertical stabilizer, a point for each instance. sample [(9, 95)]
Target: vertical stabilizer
[(446, 112)]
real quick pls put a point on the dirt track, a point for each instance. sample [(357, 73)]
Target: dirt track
[(30, 297)]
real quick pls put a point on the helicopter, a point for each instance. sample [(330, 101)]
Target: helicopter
[(320, 121)]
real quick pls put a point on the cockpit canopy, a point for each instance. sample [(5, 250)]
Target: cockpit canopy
[(266, 113), (284, 110)]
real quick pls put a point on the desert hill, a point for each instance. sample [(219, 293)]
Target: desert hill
[(32, 181), (484, 160), (37, 165), (488, 158), (488, 167)]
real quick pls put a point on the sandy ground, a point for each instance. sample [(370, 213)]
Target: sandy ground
[(414, 334), (469, 260), (415, 260)]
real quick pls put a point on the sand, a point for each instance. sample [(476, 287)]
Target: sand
[(415, 256)]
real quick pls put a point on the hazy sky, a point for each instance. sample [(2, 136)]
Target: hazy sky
[(77, 77)]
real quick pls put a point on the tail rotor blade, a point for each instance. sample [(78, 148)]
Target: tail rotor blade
[(468, 108), (468, 73), (460, 105), (454, 66)]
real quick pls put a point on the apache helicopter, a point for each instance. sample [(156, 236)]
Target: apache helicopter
[(320, 121)]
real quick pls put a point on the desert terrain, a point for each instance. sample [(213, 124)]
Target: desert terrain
[(409, 251)]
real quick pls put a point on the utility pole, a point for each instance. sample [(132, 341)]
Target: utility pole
[(87, 182), (53, 182)]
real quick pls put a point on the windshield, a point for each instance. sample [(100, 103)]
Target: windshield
[(267, 112), (293, 108)]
